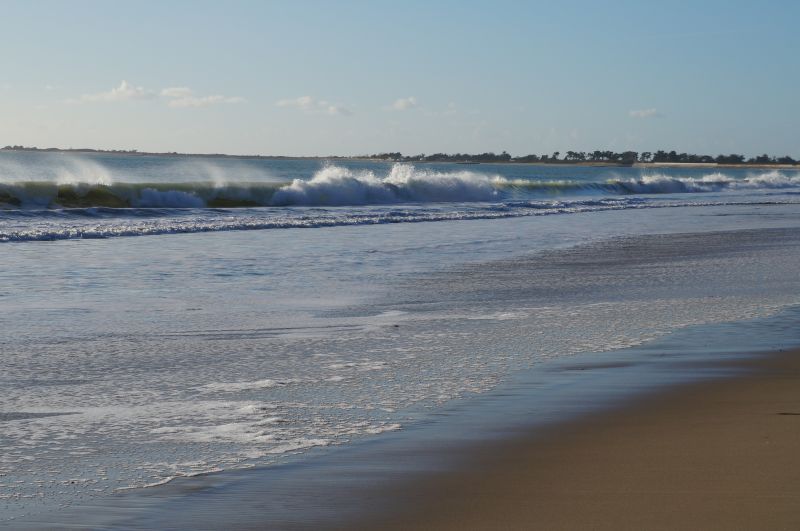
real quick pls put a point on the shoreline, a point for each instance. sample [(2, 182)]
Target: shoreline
[(456, 462), (705, 455), (585, 164)]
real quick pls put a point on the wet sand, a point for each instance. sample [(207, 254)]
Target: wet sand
[(712, 455)]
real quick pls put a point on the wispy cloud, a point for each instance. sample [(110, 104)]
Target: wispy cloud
[(177, 92), (644, 113), (403, 104), (124, 92), (175, 96), (185, 97), (314, 106)]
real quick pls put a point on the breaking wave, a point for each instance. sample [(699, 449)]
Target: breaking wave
[(339, 186), (334, 185), (715, 182)]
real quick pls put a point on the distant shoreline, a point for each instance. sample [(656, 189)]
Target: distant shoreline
[(134, 153)]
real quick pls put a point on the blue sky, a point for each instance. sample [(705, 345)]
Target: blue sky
[(353, 77)]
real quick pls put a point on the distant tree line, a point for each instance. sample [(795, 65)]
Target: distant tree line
[(570, 157), (145, 153), (82, 150), (624, 157)]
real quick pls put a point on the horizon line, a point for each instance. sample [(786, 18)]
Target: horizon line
[(399, 157)]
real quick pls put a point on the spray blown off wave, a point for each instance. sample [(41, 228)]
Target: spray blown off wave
[(404, 184), (339, 186), (331, 186), (715, 182)]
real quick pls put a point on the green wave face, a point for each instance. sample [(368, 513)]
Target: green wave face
[(129, 195), (334, 186), (98, 196)]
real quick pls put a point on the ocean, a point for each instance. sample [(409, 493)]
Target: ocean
[(168, 317)]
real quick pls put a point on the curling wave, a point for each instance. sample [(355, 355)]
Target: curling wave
[(339, 186)]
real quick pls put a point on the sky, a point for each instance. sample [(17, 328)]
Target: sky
[(357, 77)]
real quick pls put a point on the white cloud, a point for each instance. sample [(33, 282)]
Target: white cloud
[(310, 105), (337, 109), (182, 97), (402, 104), (203, 101), (644, 113), (176, 96), (124, 92), (177, 92)]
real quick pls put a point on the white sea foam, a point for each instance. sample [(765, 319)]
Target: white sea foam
[(88, 183), (246, 386), (335, 185), (94, 224), (714, 182)]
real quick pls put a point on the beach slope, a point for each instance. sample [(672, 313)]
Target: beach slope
[(713, 455)]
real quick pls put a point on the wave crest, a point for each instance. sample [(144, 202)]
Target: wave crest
[(341, 186), (714, 182), (335, 185)]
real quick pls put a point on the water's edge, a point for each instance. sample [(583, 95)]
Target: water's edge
[(330, 486)]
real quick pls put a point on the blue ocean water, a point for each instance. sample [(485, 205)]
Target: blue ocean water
[(171, 316), (50, 196)]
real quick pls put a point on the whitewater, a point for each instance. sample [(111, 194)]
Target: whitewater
[(164, 317), (57, 196)]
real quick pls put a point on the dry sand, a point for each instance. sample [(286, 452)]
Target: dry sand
[(714, 455)]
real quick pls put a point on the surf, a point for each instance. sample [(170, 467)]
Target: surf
[(340, 186)]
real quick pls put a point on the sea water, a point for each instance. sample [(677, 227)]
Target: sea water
[(170, 316)]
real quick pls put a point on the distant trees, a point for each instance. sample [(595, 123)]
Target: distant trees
[(444, 157), (387, 156), (729, 159), (81, 150), (570, 157), (766, 159), (575, 156), (607, 156)]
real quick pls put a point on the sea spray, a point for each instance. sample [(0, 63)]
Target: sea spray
[(341, 186), (335, 185)]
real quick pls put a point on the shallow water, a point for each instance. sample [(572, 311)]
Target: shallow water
[(130, 361), (372, 479)]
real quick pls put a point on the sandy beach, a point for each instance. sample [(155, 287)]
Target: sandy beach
[(711, 455)]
